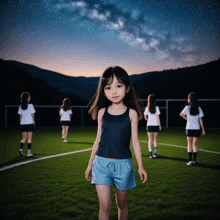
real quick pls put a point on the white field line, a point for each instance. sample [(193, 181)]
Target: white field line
[(78, 151), (183, 147), (42, 158)]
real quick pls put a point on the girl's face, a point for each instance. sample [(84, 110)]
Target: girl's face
[(116, 91)]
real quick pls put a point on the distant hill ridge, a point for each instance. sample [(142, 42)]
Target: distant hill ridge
[(165, 84)]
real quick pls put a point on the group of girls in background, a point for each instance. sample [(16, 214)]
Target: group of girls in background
[(27, 122), (192, 113), (117, 110)]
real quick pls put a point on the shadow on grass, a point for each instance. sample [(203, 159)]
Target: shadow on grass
[(214, 167), (19, 159), (166, 158), (73, 142)]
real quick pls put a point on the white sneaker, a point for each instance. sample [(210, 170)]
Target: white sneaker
[(29, 155), (65, 141), (150, 157), (190, 163)]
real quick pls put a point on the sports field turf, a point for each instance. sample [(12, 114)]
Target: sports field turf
[(56, 188)]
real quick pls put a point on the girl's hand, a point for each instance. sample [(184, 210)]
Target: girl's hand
[(143, 174), (88, 174), (160, 128), (203, 132)]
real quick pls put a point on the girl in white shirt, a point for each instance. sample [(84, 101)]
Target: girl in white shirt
[(26, 112), (152, 116), (65, 118), (193, 114)]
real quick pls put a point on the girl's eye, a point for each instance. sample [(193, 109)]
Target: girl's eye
[(107, 88), (119, 86)]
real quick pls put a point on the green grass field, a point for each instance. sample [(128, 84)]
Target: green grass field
[(56, 188)]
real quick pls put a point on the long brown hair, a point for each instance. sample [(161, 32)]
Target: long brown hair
[(24, 100), (66, 104), (193, 102), (151, 104), (99, 100)]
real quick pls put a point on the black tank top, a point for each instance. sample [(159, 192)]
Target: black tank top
[(115, 136)]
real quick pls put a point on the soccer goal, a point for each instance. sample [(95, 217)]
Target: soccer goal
[(48, 115), (171, 108)]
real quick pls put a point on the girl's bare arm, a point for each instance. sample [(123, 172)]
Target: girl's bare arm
[(146, 117), (136, 144), (158, 118), (202, 125), (183, 116), (88, 173)]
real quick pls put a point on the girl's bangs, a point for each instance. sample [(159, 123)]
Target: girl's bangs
[(109, 75)]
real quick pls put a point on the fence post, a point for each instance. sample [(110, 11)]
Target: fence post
[(6, 117), (167, 112), (82, 116)]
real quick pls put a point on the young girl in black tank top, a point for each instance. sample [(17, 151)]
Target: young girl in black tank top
[(116, 107)]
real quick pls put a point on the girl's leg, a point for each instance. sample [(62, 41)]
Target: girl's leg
[(104, 194), (24, 138), (195, 149), (63, 131), (190, 144), (121, 201), (29, 134), (155, 143), (150, 139), (66, 131)]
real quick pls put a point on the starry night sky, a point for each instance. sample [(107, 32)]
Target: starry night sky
[(83, 38)]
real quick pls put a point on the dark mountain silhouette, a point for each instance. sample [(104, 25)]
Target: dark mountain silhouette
[(167, 84), (177, 84), (83, 87), (79, 86)]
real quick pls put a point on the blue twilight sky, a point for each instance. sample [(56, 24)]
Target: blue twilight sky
[(83, 38)]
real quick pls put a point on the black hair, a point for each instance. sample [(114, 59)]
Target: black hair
[(99, 100), (24, 100), (193, 102), (151, 104), (66, 105)]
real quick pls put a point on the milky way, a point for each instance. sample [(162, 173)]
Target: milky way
[(85, 37)]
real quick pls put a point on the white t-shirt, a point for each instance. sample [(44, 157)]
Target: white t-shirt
[(152, 118), (192, 120), (65, 115), (26, 115)]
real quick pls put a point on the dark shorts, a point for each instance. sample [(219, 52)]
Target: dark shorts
[(28, 128), (193, 133), (152, 128), (67, 123)]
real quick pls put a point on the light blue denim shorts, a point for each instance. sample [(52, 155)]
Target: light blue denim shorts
[(116, 172)]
